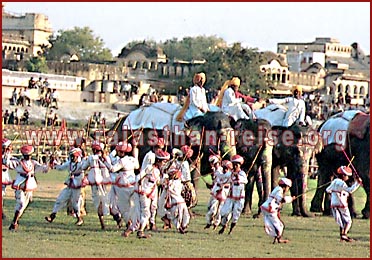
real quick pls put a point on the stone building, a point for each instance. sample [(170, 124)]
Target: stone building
[(24, 35), (328, 66)]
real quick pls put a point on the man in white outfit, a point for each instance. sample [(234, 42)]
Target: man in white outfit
[(125, 180), (198, 104), (232, 105), (339, 194), (233, 207), (274, 226), (296, 108), (74, 183)]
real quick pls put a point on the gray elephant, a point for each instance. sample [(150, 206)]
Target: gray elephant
[(356, 148), (214, 128), (273, 149)]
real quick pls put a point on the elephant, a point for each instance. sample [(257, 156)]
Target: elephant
[(355, 152), (271, 151), (213, 128)]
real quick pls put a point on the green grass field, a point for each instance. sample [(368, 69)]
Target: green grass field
[(316, 237)]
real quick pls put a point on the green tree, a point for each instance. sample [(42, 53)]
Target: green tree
[(37, 64), (224, 63), (191, 48), (79, 41)]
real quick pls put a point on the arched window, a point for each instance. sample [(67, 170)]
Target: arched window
[(362, 91), (339, 88), (145, 65), (347, 89), (356, 92)]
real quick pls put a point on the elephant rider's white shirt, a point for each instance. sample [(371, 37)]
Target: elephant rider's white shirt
[(296, 110), (198, 100), (234, 106), (275, 199), (339, 192)]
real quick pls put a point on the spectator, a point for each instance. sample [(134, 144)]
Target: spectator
[(54, 98), (115, 88), (17, 116), (5, 116), (11, 118), (144, 99), (39, 83), (45, 83), (26, 97), (31, 83), (25, 117), (20, 100), (50, 118), (14, 97), (154, 97), (340, 99), (347, 99), (47, 98), (126, 89), (95, 120)]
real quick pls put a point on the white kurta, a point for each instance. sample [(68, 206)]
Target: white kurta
[(124, 183), (25, 182), (234, 203), (234, 106), (74, 184), (339, 206), (270, 208), (219, 193), (296, 110), (198, 100)]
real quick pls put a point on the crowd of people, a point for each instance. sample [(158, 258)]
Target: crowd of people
[(134, 192), (161, 187), (47, 97)]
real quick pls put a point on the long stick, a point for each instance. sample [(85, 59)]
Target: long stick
[(313, 189), (350, 162), (254, 160)]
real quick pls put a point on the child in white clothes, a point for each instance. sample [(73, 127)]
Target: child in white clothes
[(339, 194)]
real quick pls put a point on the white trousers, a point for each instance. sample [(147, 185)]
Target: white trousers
[(69, 194), (231, 209), (273, 225)]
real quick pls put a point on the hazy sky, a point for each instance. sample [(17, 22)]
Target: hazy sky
[(254, 24)]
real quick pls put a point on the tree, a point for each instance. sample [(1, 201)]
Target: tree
[(226, 62), (79, 41), (191, 48), (37, 64)]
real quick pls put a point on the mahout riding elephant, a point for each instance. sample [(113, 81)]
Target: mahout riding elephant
[(273, 149), (351, 148)]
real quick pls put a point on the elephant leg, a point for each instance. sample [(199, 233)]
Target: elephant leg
[(247, 208), (316, 203), (195, 176), (259, 187), (267, 162)]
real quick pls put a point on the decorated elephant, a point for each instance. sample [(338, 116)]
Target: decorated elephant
[(274, 148), (346, 142), (158, 120)]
